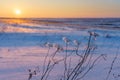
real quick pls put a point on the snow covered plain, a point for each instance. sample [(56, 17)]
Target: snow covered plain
[(22, 47)]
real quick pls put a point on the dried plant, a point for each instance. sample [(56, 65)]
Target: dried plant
[(70, 72)]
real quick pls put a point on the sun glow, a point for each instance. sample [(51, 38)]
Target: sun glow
[(17, 12)]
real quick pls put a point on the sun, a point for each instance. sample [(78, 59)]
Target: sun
[(17, 12)]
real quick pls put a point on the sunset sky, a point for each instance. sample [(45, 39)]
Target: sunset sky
[(60, 8)]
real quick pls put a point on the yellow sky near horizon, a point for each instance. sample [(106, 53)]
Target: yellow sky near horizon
[(60, 8)]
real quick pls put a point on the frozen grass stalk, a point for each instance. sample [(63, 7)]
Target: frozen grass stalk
[(71, 72)]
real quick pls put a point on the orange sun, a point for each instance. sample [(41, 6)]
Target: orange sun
[(17, 12)]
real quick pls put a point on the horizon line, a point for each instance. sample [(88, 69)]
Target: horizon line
[(52, 17)]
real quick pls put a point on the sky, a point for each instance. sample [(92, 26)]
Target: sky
[(60, 8)]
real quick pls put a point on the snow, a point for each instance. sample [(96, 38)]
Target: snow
[(22, 47)]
